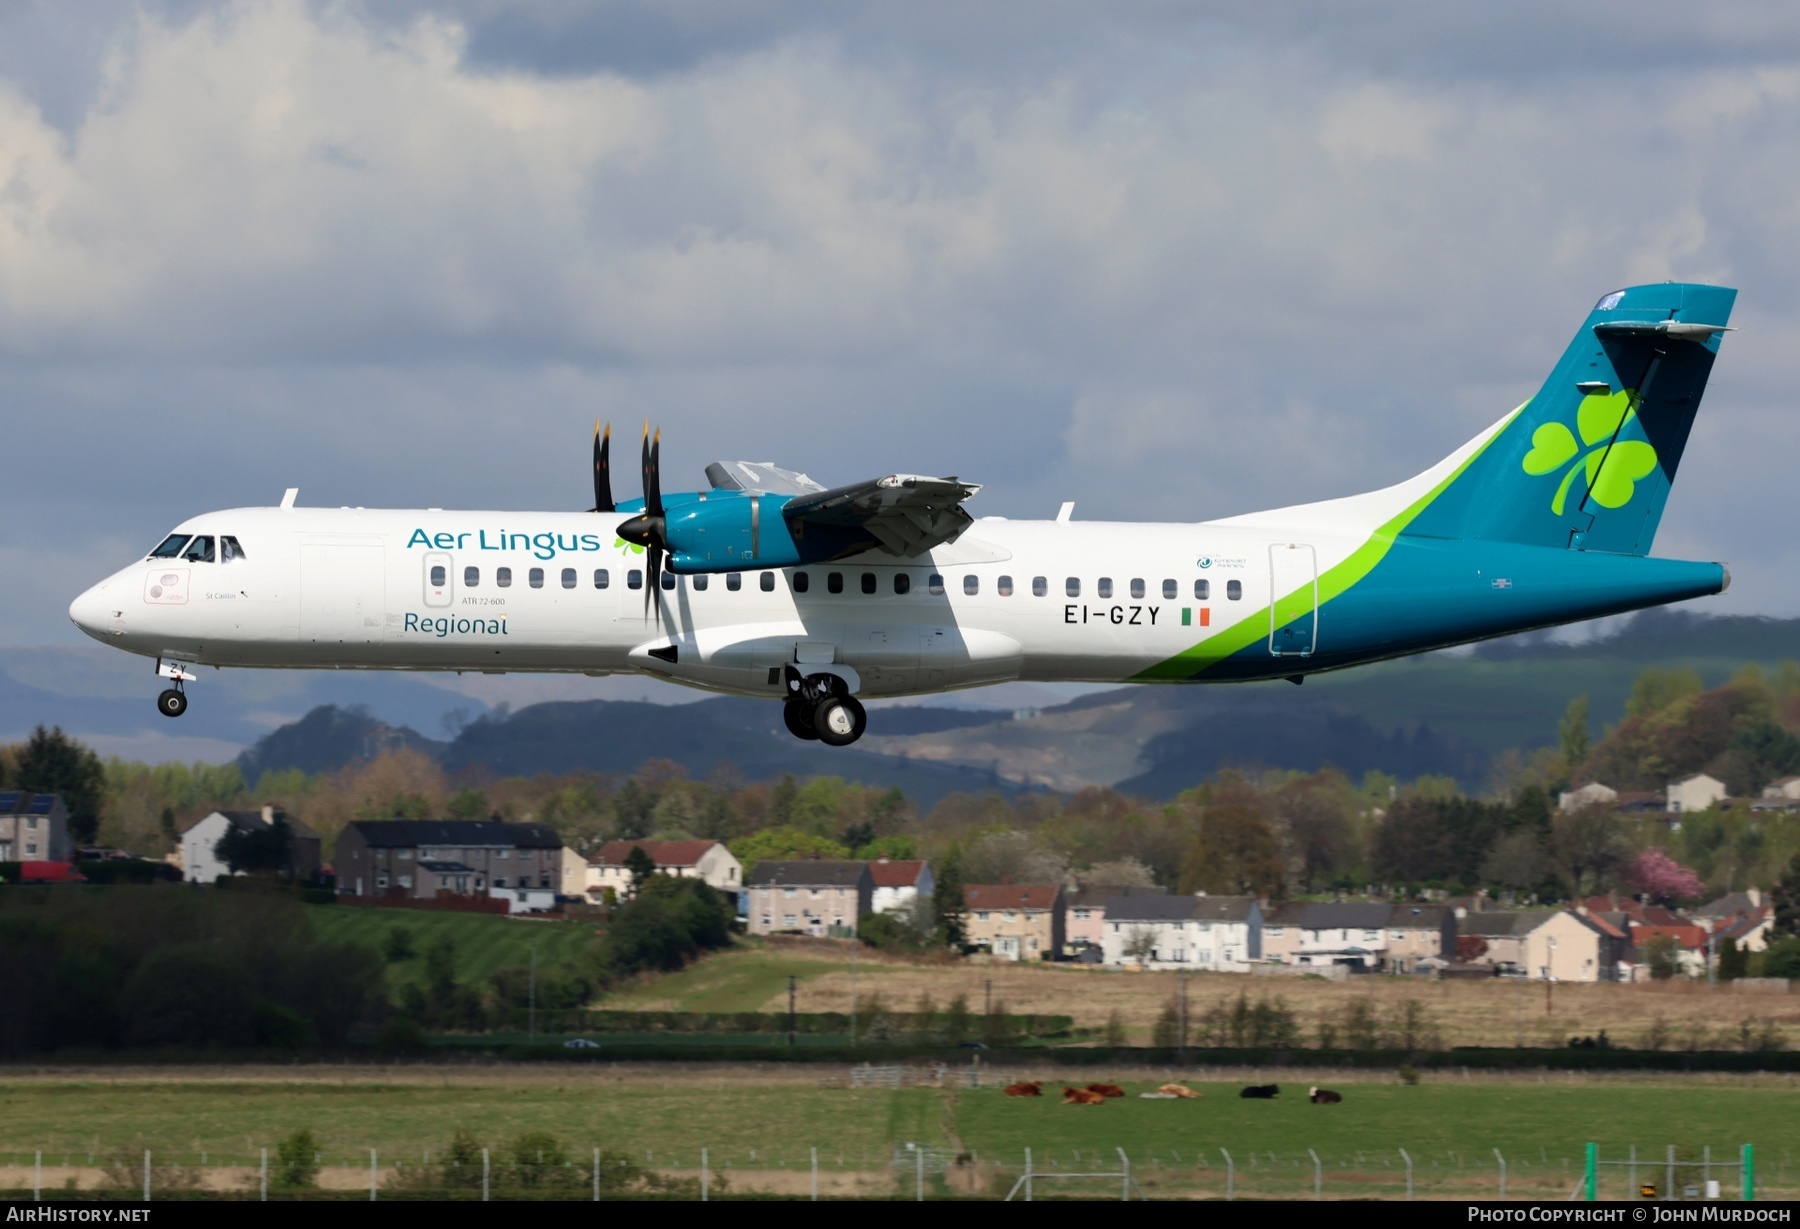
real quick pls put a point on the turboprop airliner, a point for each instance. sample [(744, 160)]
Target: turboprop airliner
[(768, 584)]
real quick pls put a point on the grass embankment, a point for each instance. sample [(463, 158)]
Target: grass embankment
[(764, 1121), (484, 942)]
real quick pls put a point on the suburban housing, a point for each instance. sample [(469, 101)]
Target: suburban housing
[(419, 858), (200, 860), (1015, 921), (811, 896), (33, 827)]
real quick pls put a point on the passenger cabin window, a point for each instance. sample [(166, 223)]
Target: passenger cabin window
[(902, 583), (1072, 586), (868, 582), (934, 585), (1105, 587), (1137, 586), (1170, 590), (734, 581), (536, 578), (971, 585), (801, 582), (634, 579), (768, 582), (834, 582), (668, 580), (568, 578), (438, 576), (471, 577), (171, 546), (1234, 589), (503, 577), (229, 550), (700, 582), (200, 550), (602, 578), (1040, 586), (1202, 590), (1003, 586)]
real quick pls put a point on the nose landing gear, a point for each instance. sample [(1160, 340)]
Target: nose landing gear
[(173, 701), (820, 707)]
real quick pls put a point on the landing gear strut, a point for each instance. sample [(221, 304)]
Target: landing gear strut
[(173, 701), (820, 706)]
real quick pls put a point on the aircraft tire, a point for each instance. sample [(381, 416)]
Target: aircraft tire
[(171, 703), (840, 720), (798, 716)]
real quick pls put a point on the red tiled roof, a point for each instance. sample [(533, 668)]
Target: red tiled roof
[(888, 873), (663, 853), (1690, 937), (1011, 895)]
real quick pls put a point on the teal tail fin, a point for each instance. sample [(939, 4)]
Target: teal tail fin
[(1587, 463)]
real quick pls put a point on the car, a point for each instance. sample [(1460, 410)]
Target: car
[(580, 1043)]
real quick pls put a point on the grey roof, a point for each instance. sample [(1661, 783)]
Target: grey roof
[(1502, 925), (1329, 916), (1090, 894), (252, 821), (1180, 908), (1725, 906), (467, 833), (1417, 917), (808, 873)]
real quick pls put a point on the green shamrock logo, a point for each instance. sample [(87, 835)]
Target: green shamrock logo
[(632, 547), (1612, 473)]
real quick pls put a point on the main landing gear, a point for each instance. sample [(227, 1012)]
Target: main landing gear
[(173, 701), (820, 707)]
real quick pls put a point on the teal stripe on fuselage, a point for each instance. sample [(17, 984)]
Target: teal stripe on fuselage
[(1429, 593)]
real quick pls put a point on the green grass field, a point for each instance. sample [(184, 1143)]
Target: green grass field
[(766, 1121), (483, 943)]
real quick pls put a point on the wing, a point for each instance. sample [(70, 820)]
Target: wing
[(759, 478), (905, 514)]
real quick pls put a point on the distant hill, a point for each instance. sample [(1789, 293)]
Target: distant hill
[(328, 738)]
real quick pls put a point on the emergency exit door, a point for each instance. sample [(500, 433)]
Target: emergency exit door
[(1293, 599)]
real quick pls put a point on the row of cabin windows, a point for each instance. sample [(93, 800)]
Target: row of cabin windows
[(834, 583), (198, 548)]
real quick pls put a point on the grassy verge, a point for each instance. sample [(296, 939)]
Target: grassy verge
[(483, 943)]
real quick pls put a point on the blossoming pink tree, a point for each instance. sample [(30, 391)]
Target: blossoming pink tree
[(1662, 879)]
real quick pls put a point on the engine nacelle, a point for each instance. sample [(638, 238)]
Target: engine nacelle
[(729, 531)]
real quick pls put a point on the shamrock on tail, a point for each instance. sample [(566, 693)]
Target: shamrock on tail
[(1612, 473)]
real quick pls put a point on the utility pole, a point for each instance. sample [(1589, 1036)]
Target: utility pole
[(1184, 1016), (531, 1027), (790, 1009), (987, 998)]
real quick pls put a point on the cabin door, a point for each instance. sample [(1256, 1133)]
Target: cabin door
[(1293, 599)]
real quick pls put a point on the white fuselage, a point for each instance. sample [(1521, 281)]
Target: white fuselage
[(498, 592)]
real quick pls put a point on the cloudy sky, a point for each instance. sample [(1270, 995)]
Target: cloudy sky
[(1169, 260)]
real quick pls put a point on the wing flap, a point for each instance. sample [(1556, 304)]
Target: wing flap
[(906, 514)]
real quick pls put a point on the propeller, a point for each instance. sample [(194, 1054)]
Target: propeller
[(649, 530), (603, 500)]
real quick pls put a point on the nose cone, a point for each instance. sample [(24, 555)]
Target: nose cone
[(90, 612)]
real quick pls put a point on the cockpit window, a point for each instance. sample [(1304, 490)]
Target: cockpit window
[(171, 546), (229, 549), (200, 550)]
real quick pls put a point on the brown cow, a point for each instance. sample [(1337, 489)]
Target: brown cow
[(1081, 1096), (1179, 1090), (1324, 1096), (1106, 1090), (1032, 1088)]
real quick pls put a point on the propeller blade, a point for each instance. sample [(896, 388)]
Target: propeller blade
[(603, 500), (653, 594), (653, 478)]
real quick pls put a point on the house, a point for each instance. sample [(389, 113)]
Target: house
[(813, 896), (34, 827), (1690, 944), (900, 884), (707, 860), (1418, 933), (1497, 938), (1785, 787), (417, 859), (1572, 946), (1695, 793), (1746, 917), (1084, 912), (1591, 794), (1353, 934), (1208, 933), (571, 874), (1015, 921), (200, 860)]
